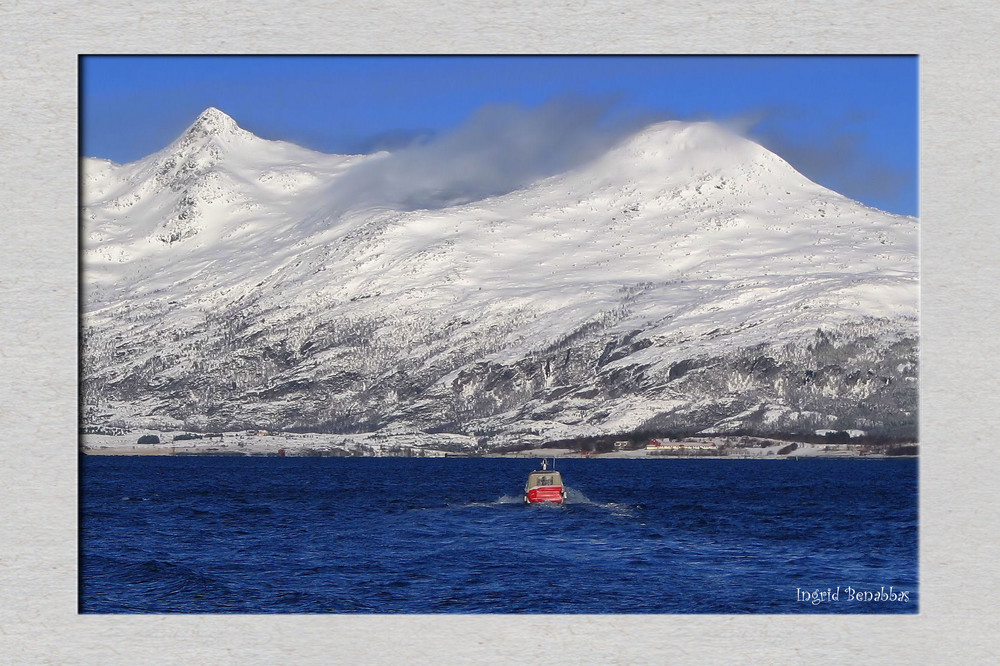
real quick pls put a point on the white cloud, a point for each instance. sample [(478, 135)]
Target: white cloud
[(498, 150)]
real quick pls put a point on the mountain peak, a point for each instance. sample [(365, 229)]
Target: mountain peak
[(694, 140), (683, 150), (206, 142), (211, 136), (213, 122)]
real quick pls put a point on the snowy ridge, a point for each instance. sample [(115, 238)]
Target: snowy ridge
[(687, 279)]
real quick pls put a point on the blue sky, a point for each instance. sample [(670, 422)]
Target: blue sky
[(847, 122)]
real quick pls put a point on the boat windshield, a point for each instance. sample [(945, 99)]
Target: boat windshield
[(549, 478)]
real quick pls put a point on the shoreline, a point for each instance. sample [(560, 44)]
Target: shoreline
[(421, 445), (159, 453)]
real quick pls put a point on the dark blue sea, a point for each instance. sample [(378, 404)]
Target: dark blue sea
[(420, 535)]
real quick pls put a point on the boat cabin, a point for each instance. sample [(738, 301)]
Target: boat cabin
[(543, 478)]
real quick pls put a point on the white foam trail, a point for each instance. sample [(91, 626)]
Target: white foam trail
[(574, 496), (510, 499)]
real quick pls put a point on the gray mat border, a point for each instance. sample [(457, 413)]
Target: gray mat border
[(38, 317)]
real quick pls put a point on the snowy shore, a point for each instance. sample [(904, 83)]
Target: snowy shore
[(430, 445)]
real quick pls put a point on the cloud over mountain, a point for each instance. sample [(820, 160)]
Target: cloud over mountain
[(498, 150)]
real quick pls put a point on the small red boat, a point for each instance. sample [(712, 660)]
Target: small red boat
[(544, 485)]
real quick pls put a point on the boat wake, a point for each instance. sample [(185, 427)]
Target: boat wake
[(510, 499), (500, 501), (574, 498)]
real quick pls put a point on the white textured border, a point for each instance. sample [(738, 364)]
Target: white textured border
[(38, 281)]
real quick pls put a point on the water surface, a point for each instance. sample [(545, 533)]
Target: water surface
[(411, 535)]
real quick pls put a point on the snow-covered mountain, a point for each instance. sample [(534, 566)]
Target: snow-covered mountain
[(685, 280)]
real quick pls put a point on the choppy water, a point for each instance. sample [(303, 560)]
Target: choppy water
[(395, 535)]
